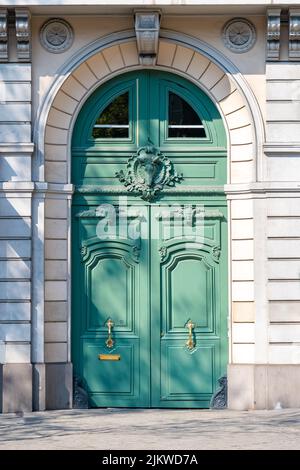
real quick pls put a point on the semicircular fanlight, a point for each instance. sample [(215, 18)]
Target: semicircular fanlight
[(184, 122), (113, 122)]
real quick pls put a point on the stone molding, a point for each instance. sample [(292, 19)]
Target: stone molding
[(17, 148), (280, 149)]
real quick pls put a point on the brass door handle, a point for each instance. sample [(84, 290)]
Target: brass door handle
[(109, 342), (190, 344)]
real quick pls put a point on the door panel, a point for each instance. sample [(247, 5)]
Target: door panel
[(116, 276), (170, 273), (112, 383), (186, 278), (181, 382), (186, 283), (113, 274)]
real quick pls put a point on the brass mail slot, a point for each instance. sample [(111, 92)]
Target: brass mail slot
[(109, 357)]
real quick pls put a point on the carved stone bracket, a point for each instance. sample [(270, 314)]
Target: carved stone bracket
[(162, 252), (148, 171), (273, 34), (147, 25), (219, 399), (294, 34), (3, 35), (23, 34)]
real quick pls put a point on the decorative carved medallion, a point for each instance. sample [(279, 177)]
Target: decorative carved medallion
[(148, 171), (136, 251), (56, 35), (219, 399), (239, 35)]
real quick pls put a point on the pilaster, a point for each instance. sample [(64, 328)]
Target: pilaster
[(16, 190)]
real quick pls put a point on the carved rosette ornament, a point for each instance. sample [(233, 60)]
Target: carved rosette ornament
[(239, 35), (162, 252), (148, 171), (56, 35)]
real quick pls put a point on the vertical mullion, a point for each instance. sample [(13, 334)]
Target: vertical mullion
[(142, 108)]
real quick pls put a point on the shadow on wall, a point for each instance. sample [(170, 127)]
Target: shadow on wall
[(15, 293)]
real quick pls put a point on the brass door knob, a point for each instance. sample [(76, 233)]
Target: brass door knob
[(190, 344), (109, 342)]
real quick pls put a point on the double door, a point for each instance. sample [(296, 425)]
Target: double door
[(149, 264)]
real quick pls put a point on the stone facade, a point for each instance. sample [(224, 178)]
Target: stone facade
[(257, 94)]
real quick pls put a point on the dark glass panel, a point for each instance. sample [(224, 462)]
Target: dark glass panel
[(110, 133), (186, 132), (114, 115), (183, 119)]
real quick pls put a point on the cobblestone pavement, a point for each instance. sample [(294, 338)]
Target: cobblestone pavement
[(151, 429)]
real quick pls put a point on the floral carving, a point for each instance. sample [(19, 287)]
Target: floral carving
[(136, 251), (163, 252), (216, 252), (83, 251), (148, 171), (219, 399)]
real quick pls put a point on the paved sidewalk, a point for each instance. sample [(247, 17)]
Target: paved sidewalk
[(151, 429)]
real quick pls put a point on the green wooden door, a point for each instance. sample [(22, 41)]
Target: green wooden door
[(149, 249)]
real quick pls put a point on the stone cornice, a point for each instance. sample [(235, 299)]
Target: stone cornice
[(261, 189), (36, 188), (281, 149), (138, 2), (54, 188), (17, 187), (17, 148)]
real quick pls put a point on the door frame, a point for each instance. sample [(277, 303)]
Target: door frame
[(210, 148), (58, 188)]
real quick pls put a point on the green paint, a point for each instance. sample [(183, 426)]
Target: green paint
[(149, 287)]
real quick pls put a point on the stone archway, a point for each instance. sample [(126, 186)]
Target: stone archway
[(99, 63), (183, 60)]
